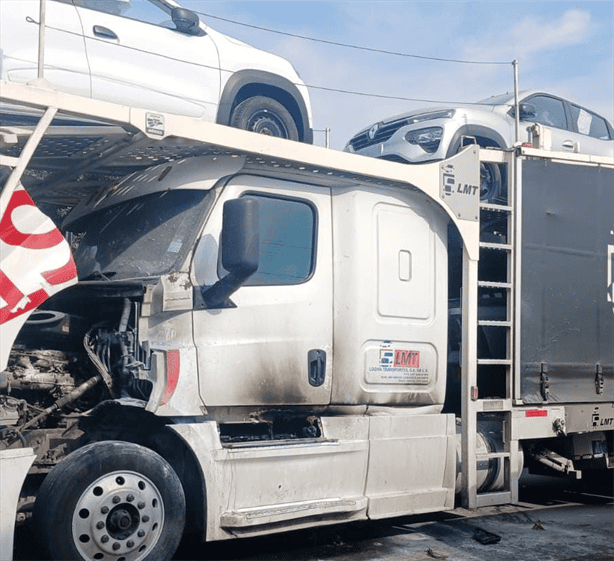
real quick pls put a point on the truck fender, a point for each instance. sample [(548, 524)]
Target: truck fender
[(202, 439)]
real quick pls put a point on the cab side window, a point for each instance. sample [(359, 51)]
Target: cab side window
[(287, 241), (549, 111), (590, 124), (139, 10)]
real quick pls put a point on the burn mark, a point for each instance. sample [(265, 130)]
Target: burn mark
[(280, 426)]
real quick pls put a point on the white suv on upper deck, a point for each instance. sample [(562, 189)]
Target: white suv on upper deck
[(154, 54), (434, 134)]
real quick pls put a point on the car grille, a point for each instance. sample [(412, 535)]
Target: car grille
[(384, 132)]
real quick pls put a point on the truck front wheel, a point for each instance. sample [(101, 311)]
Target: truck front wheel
[(266, 116), (111, 501)]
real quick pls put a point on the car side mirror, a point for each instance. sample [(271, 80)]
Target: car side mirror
[(185, 21), (240, 246)]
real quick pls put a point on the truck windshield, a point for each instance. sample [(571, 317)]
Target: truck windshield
[(143, 237)]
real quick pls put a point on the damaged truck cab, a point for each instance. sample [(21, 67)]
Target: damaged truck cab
[(231, 321), (201, 274)]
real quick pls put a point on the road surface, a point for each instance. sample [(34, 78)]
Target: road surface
[(554, 522)]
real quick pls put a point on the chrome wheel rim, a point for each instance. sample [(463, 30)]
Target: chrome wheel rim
[(118, 517)]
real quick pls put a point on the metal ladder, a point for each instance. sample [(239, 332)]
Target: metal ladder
[(489, 314)]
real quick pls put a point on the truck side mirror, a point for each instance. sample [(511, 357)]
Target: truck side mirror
[(185, 21), (240, 245), (241, 236)]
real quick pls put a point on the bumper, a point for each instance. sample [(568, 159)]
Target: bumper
[(398, 149)]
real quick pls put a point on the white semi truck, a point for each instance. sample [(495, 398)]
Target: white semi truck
[(268, 335)]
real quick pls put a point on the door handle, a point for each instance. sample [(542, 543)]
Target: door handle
[(104, 32), (568, 144), (316, 365)]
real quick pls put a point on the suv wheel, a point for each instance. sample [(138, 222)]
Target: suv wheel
[(490, 182), (265, 116)]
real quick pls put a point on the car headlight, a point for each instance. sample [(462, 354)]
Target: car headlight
[(428, 139)]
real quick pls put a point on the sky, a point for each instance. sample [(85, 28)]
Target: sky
[(565, 48)]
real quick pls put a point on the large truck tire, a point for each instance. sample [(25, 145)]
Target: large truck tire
[(110, 501), (265, 116)]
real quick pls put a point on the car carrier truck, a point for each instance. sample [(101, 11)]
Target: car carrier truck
[(267, 335)]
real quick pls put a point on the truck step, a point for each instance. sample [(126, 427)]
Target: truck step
[(495, 498), (498, 246), (498, 208), (495, 361), (502, 285), (489, 323), (492, 456), (246, 517)]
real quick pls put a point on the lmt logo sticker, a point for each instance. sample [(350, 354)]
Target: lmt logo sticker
[(450, 185), (406, 359), (449, 181)]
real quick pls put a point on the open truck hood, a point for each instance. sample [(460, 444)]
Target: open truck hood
[(35, 263)]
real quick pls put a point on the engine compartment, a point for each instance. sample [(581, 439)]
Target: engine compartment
[(77, 352)]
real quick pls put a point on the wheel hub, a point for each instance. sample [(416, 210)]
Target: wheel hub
[(267, 123), (118, 517), (122, 521)]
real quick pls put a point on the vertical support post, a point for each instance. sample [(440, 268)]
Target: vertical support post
[(469, 348), (326, 132), (24, 158), (515, 199), (41, 39), (516, 102)]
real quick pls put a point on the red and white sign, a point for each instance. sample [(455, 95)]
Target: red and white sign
[(35, 263)]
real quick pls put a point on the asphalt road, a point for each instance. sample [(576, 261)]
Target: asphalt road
[(554, 522)]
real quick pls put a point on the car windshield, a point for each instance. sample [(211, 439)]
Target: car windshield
[(143, 237)]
